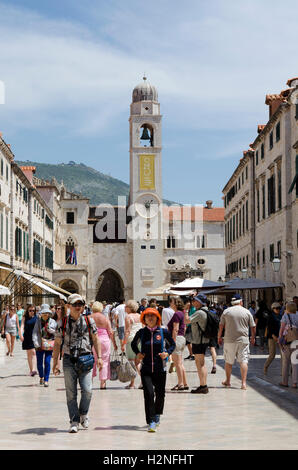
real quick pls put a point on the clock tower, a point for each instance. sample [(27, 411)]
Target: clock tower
[(145, 198)]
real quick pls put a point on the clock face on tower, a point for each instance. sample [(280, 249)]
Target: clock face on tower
[(147, 205)]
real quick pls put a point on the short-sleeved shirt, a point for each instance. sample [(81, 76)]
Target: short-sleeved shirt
[(178, 317), (77, 334), (294, 319), (121, 313), (166, 316), (237, 320)]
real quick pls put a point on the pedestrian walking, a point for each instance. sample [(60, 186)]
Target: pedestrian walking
[(236, 321), (75, 336), (132, 326), (273, 327), (176, 327), (261, 319), (198, 321), (120, 321), (10, 328), (106, 335), (288, 345), (43, 339), (153, 355), (27, 327), (20, 312)]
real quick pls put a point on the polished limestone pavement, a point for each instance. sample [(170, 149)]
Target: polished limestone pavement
[(262, 417)]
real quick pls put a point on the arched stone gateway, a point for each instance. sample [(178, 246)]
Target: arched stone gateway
[(109, 287), (70, 286)]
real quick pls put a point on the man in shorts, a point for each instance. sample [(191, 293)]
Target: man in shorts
[(200, 343), (236, 321)]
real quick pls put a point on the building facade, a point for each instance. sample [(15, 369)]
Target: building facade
[(269, 198)]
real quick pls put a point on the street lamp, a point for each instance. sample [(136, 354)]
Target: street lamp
[(276, 264), (244, 273)]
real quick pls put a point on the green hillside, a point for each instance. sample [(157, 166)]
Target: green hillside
[(81, 179)]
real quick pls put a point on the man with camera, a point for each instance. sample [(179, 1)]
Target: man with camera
[(75, 336)]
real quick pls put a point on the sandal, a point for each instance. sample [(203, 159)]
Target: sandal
[(186, 387), (282, 385), (175, 388)]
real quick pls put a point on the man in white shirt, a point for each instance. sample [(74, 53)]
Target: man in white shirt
[(120, 314), (168, 312), (236, 321)]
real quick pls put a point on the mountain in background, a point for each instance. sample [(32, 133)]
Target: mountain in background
[(82, 179)]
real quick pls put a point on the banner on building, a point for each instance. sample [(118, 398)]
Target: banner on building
[(147, 172)]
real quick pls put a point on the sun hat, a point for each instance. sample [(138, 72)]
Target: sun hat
[(73, 298), (45, 309), (150, 311), (201, 298)]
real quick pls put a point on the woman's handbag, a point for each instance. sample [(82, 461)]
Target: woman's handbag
[(47, 344), (125, 371), (291, 333), (114, 363)]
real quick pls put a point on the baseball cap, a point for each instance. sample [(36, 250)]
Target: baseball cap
[(201, 298), (236, 299), (73, 298)]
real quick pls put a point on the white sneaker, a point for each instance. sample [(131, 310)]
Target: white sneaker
[(84, 421), (74, 427)]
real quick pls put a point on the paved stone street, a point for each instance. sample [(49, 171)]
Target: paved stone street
[(262, 417)]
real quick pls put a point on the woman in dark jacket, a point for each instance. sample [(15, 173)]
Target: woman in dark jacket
[(153, 356)]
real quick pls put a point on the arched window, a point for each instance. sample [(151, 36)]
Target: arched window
[(70, 251), (146, 135)]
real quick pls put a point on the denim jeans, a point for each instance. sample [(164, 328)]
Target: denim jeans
[(71, 378), (44, 364)]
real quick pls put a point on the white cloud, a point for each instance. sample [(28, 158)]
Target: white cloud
[(212, 63)]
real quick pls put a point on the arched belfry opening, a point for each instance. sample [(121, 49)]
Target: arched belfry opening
[(110, 287), (146, 135)]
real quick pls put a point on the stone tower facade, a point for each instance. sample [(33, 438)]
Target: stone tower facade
[(145, 229)]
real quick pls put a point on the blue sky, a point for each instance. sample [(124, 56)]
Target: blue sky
[(69, 69)]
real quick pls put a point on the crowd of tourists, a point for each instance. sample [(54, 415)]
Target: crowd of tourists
[(86, 340)]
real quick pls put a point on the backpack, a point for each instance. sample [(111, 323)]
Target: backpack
[(212, 325)]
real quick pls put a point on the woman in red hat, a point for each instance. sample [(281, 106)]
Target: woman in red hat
[(153, 356)]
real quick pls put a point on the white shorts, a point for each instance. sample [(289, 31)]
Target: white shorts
[(239, 351), (180, 345)]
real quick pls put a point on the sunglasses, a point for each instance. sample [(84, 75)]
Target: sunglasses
[(78, 304), (58, 308), (31, 310)]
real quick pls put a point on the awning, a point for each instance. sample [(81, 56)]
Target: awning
[(160, 291), (4, 290), (25, 285), (197, 283), (56, 288)]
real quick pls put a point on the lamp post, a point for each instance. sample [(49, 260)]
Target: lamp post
[(244, 273), (276, 264)]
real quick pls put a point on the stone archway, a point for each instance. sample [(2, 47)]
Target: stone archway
[(69, 285), (109, 287)]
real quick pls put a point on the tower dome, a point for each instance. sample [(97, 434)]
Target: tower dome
[(144, 92)]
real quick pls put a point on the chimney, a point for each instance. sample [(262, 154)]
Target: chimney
[(209, 204), (28, 172)]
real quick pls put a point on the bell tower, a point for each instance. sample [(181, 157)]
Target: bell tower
[(145, 196)]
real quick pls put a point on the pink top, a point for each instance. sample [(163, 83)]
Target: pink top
[(102, 322)]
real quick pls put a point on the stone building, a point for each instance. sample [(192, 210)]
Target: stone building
[(268, 198)]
